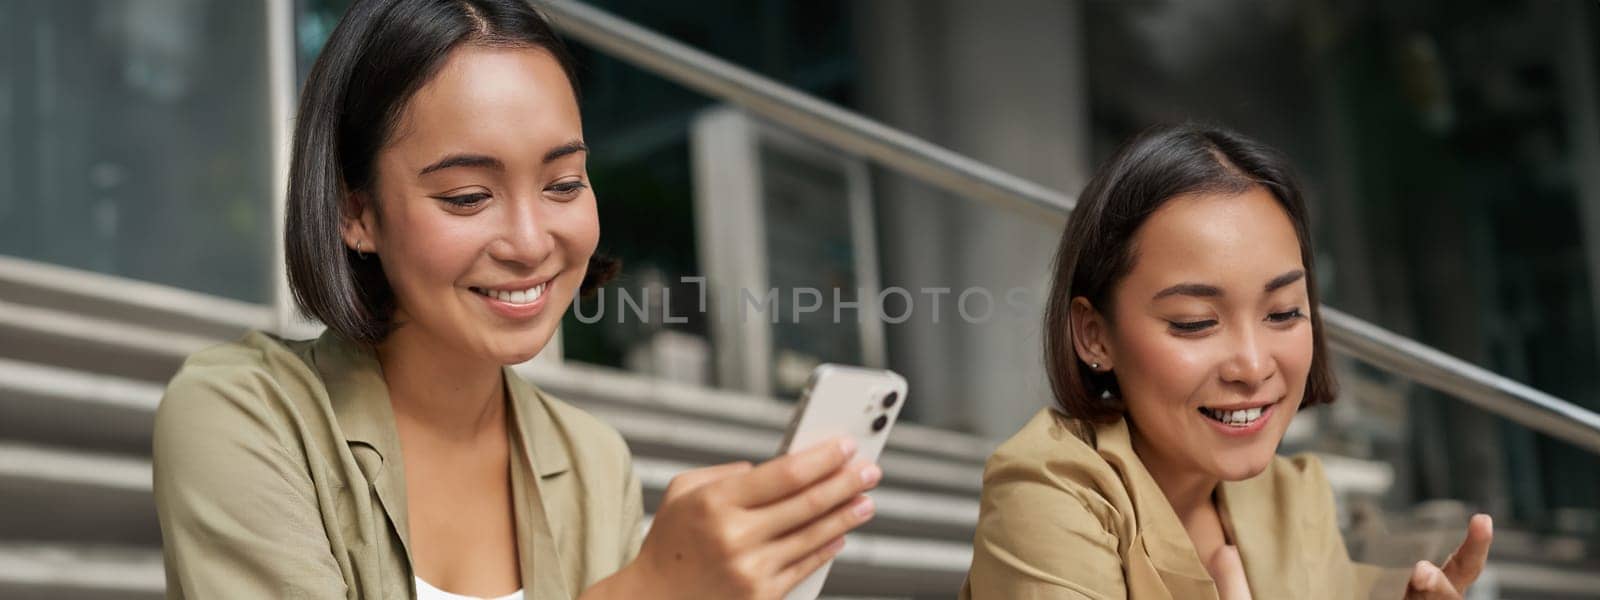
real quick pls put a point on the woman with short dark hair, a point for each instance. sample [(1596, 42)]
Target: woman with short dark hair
[(440, 221), (1182, 333)]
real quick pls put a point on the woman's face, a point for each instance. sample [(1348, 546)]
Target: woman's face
[(1210, 338), (485, 220)]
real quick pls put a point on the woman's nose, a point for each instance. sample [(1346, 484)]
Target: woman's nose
[(1250, 364), (524, 238)]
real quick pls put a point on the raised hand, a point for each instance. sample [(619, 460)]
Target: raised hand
[(1450, 582)]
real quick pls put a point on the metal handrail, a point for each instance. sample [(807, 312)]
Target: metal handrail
[(925, 161)]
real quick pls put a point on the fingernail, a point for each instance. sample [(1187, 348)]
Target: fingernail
[(863, 507), (870, 474), (835, 546), (847, 445)]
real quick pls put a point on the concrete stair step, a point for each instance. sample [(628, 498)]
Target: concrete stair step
[(78, 407), (64, 407), (42, 571), (108, 297), (699, 425), (61, 495), (53, 337), (54, 494)]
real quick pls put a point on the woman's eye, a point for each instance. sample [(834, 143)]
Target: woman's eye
[(464, 200), (1191, 326), (1285, 316), (567, 188)]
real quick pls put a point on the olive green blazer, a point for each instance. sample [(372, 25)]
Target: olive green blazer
[(278, 474), (1068, 511)]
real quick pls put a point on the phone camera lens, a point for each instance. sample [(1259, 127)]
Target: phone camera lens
[(879, 423), (889, 400)]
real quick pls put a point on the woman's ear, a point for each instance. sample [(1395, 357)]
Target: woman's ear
[(358, 223), (1091, 336)]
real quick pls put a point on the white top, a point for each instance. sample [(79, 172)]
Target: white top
[(426, 591)]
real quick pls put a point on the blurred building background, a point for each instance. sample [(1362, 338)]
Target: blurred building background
[(1451, 151)]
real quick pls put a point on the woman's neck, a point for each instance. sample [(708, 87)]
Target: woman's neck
[(1189, 491), (449, 394)]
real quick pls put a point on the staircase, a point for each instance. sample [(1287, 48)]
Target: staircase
[(82, 371), (84, 357), (81, 374)]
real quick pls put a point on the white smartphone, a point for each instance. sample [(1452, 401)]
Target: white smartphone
[(840, 400)]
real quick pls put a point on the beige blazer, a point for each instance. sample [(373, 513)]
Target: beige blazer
[(1068, 511), (278, 474)]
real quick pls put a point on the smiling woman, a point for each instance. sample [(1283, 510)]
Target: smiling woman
[(1182, 334), (440, 221)]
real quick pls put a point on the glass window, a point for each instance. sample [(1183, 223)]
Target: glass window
[(135, 140)]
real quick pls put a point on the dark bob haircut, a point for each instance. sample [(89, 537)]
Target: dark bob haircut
[(379, 55), (1096, 249)]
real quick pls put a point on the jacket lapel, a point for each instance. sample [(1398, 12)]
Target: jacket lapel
[(540, 453), (1261, 530), (360, 400), (1161, 536)]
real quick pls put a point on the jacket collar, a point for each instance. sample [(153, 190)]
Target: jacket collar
[(532, 412), (1160, 532), (1250, 515), (360, 400)]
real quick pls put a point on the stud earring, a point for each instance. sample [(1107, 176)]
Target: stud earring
[(1094, 366)]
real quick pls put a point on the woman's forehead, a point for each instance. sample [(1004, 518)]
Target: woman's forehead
[(517, 98), (1224, 240)]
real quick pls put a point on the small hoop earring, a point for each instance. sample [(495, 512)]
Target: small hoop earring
[(361, 250)]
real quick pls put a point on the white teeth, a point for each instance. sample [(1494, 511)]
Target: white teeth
[(526, 296), (1237, 418)]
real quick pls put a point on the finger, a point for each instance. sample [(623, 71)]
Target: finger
[(796, 572), (808, 539), (783, 476), (690, 480), (814, 501), (1466, 563), (1429, 583), (1227, 571)]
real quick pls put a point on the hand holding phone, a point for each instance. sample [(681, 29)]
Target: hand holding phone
[(742, 531), (858, 403)]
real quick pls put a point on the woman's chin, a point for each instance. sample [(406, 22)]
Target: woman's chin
[(1242, 464), (514, 348), (520, 353)]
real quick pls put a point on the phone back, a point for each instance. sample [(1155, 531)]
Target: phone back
[(843, 400)]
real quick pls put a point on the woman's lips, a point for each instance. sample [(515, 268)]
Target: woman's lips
[(515, 305), (1243, 422)]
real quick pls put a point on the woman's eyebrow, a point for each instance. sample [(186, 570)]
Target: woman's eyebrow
[(572, 147), (490, 162), (1284, 279), (1190, 289), (463, 160), (1201, 290)]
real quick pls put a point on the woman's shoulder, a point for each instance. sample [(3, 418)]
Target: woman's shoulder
[(1046, 484), (237, 383), (256, 353), (1054, 442), (1053, 456)]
